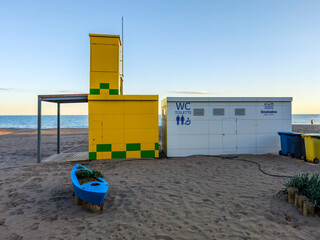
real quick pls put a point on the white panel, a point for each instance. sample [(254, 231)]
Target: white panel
[(286, 111), (250, 111), (196, 127), (246, 126), (246, 140), (215, 127), (229, 151), (215, 151), (171, 107), (269, 126), (173, 141), (194, 141), (286, 126), (229, 141), (215, 141), (174, 153), (268, 150), (247, 150), (229, 126), (203, 105), (268, 140), (178, 109), (276, 107), (172, 128), (194, 151)]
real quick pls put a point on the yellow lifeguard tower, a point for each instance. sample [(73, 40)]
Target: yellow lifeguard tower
[(120, 126)]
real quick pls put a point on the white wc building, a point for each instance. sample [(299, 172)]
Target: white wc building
[(217, 126)]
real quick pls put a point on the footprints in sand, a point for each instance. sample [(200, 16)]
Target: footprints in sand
[(18, 211), (34, 227), (2, 221), (162, 237), (47, 215)]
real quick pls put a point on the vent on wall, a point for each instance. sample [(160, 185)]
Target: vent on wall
[(240, 111), (218, 112), (198, 112)]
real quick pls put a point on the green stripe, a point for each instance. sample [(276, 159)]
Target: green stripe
[(148, 154), (92, 155), (113, 92), (156, 147), (119, 154), (104, 85), (103, 147), (133, 147), (94, 91)]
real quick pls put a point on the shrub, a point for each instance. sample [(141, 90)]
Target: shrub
[(308, 186), (87, 174)]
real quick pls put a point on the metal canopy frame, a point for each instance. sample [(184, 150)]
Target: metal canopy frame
[(63, 98)]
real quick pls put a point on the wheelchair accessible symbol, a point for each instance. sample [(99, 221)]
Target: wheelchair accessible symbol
[(183, 120)]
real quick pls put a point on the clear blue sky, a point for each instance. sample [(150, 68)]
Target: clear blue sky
[(226, 48)]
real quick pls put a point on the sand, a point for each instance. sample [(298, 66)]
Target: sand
[(314, 128), (178, 198)]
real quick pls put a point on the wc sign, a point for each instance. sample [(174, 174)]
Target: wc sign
[(183, 110)]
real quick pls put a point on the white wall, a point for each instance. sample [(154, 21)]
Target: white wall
[(254, 133)]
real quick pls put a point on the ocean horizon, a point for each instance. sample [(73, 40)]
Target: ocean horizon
[(81, 121)]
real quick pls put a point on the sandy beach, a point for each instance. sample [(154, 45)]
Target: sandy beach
[(201, 197)]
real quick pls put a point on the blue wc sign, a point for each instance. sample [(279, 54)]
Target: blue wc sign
[(183, 109)]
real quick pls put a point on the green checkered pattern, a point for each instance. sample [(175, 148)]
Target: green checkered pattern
[(123, 154), (96, 91)]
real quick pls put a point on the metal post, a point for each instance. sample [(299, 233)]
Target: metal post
[(58, 129), (39, 131), (122, 49)]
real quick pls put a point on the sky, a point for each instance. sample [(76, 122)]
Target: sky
[(229, 48)]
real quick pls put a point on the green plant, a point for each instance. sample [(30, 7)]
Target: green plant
[(87, 174), (308, 186)]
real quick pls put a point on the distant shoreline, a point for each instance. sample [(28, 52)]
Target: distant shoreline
[(303, 128)]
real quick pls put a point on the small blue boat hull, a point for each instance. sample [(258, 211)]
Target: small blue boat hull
[(92, 192)]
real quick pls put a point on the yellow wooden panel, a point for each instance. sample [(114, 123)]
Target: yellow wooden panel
[(141, 121), (106, 155), (111, 136), (141, 107), (99, 155), (113, 121), (133, 154), (95, 135), (147, 146), (94, 117), (145, 98), (95, 125), (92, 147), (105, 58), (106, 107), (118, 147), (104, 77), (156, 154), (105, 39), (141, 135)]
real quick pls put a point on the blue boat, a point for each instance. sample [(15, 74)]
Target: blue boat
[(91, 192)]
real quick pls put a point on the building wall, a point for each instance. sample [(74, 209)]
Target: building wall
[(121, 127), (105, 64), (255, 132)]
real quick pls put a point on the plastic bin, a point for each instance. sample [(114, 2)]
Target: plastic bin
[(286, 143), (312, 145), (299, 150)]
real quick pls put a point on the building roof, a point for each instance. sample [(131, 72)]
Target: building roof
[(228, 99), (64, 98)]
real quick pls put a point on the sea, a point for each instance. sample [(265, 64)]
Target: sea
[(81, 121)]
